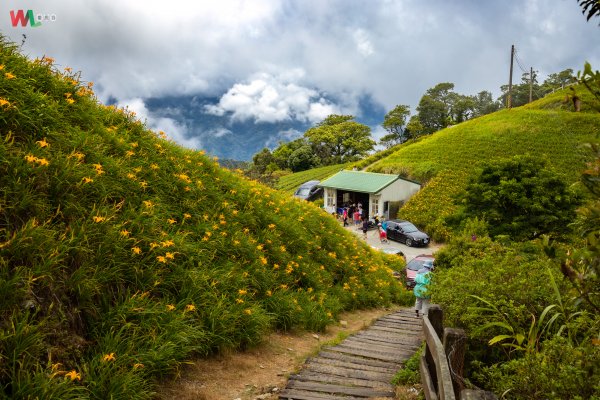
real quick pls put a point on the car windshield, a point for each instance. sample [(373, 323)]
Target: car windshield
[(415, 264), (408, 227), (303, 192)]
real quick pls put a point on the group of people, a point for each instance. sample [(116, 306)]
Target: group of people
[(356, 212)]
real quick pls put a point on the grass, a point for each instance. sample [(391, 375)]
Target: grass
[(447, 159), (290, 183), (122, 254)]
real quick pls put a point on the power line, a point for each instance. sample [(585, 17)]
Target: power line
[(519, 63)]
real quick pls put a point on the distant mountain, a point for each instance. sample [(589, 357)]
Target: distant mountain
[(240, 140)]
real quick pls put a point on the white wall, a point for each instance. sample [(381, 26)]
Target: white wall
[(400, 190)]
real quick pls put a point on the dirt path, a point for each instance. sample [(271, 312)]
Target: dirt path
[(260, 372)]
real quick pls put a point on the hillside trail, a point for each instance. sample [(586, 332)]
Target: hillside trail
[(261, 372)]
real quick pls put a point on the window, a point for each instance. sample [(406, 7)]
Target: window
[(375, 206), (330, 198)]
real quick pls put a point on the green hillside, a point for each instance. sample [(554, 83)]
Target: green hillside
[(122, 254), (290, 183), (448, 158)]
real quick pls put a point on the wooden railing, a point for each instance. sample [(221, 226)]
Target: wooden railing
[(442, 364)]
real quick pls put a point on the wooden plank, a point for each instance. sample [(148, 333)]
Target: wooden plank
[(344, 372), (363, 353), (408, 318), (358, 360), (354, 366), (397, 331), (335, 389), (376, 351), (400, 346), (372, 345), (391, 337), (385, 342), (342, 380), (294, 394), (398, 323)]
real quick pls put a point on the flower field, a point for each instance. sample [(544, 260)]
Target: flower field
[(122, 254)]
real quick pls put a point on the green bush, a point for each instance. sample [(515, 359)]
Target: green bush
[(559, 371)]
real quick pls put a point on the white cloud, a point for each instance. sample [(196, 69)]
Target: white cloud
[(363, 44), (285, 136), (173, 129), (268, 98), (272, 60), (219, 132)]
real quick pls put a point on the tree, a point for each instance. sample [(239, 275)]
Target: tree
[(414, 128), (520, 198), (558, 81), (462, 108), (261, 160), (520, 92), (281, 154), (434, 107), (339, 139), (302, 159), (394, 122), (484, 104), (592, 7)]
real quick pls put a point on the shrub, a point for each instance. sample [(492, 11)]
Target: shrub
[(559, 371)]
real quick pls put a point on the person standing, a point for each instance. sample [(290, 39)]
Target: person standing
[(421, 290), (345, 216), (382, 234), (365, 227)]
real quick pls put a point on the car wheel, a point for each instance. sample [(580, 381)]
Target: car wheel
[(408, 242)]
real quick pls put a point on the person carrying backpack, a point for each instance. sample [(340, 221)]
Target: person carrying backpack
[(421, 290)]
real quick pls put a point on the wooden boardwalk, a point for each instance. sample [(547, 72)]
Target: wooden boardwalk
[(362, 366)]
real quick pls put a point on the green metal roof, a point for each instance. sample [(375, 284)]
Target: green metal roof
[(358, 181)]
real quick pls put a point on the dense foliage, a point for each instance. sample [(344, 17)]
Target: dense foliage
[(123, 254), (528, 338), (520, 198)]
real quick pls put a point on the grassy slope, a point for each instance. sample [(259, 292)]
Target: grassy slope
[(123, 254), (290, 183), (447, 159)]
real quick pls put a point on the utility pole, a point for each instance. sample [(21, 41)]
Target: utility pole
[(509, 98), (531, 84)]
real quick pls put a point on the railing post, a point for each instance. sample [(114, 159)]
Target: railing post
[(436, 317), (455, 341)]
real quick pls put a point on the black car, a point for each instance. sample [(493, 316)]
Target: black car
[(405, 232), (308, 190)]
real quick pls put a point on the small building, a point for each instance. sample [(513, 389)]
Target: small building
[(376, 192)]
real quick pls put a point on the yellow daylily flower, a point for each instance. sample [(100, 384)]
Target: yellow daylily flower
[(43, 143), (73, 375)]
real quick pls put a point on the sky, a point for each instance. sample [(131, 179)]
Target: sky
[(289, 64)]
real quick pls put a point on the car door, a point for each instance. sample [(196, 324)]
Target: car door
[(392, 230), (401, 234)]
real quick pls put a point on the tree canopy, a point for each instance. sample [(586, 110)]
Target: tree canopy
[(339, 139), (394, 123), (520, 198)]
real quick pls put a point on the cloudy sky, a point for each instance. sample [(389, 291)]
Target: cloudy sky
[(291, 63)]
